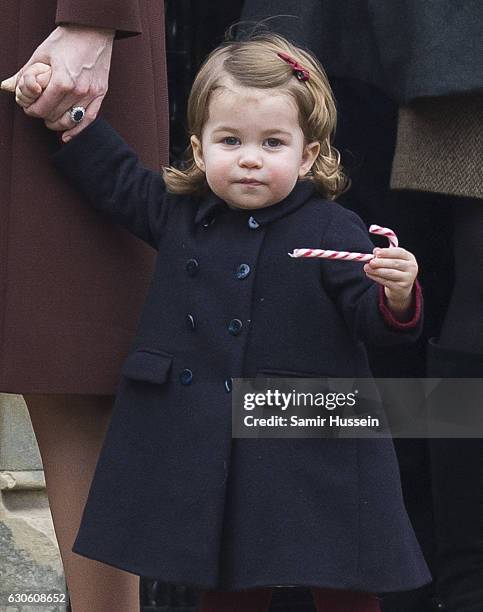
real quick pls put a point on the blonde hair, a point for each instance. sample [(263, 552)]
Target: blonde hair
[(255, 63)]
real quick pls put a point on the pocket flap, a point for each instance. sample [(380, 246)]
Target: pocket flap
[(147, 365)]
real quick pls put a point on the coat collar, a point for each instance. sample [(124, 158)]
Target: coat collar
[(211, 203)]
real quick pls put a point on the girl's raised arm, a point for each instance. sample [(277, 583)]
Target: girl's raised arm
[(109, 173)]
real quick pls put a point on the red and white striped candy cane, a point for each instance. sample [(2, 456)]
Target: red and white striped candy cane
[(346, 255)]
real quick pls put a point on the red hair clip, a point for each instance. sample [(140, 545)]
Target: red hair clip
[(300, 72)]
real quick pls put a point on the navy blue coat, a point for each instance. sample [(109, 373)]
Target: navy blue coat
[(174, 497)]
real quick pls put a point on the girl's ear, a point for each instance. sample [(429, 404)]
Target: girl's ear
[(197, 152), (309, 155)]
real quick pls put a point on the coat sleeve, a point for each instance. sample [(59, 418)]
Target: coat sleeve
[(360, 300), (120, 15), (109, 173)]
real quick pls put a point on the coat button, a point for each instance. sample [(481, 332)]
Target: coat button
[(243, 271), (190, 320), (186, 377), (228, 385), (192, 267), (253, 223), (235, 327)]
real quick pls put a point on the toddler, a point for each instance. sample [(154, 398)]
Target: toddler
[(174, 496)]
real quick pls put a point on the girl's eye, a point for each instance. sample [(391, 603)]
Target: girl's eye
[(273, 142), (230, 140)]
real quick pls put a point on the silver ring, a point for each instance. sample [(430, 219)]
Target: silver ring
[(77, 113)]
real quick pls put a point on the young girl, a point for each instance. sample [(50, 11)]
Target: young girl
[(174, 495)]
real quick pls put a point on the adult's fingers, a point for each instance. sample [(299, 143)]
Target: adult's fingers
[(43, 78), (22, 100), (81, 93), (69, 127), (91, 113), (65, 122), (58, 97)]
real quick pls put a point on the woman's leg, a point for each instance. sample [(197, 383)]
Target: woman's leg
[(253, 600), (332, 600), (70, 430)]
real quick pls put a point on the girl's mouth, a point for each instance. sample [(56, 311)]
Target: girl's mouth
[(250, 182)]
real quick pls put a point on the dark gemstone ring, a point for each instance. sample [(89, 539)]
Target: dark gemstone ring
[(77, 113)]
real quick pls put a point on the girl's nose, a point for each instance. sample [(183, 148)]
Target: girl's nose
[(250, 159)]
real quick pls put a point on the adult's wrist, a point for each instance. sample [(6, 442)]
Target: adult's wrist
[(107, 33)]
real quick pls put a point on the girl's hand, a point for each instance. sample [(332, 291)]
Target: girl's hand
[(30, 85), (396, 269)]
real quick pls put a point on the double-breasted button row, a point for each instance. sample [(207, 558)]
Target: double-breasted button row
[(235, 326), (192, 268), (186, 378)]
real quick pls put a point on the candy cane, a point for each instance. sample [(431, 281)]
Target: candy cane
[(385, 231), (346, 255)]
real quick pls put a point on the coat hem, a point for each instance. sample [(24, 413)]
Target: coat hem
[(308, 584)]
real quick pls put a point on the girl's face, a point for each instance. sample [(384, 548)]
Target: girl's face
[(252, 148)]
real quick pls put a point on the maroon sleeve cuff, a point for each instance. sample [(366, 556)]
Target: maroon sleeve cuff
[(389, 317), (123, 16)]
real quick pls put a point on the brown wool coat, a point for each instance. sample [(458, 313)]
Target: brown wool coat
[(71, 284)]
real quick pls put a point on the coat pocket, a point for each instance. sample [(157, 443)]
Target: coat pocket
[(147, 365)]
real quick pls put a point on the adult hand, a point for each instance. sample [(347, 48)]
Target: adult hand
[(80, 58)]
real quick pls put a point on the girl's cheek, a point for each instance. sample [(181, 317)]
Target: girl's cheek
[(283, 175), (223, 159), (217, 164), (218, 173)]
